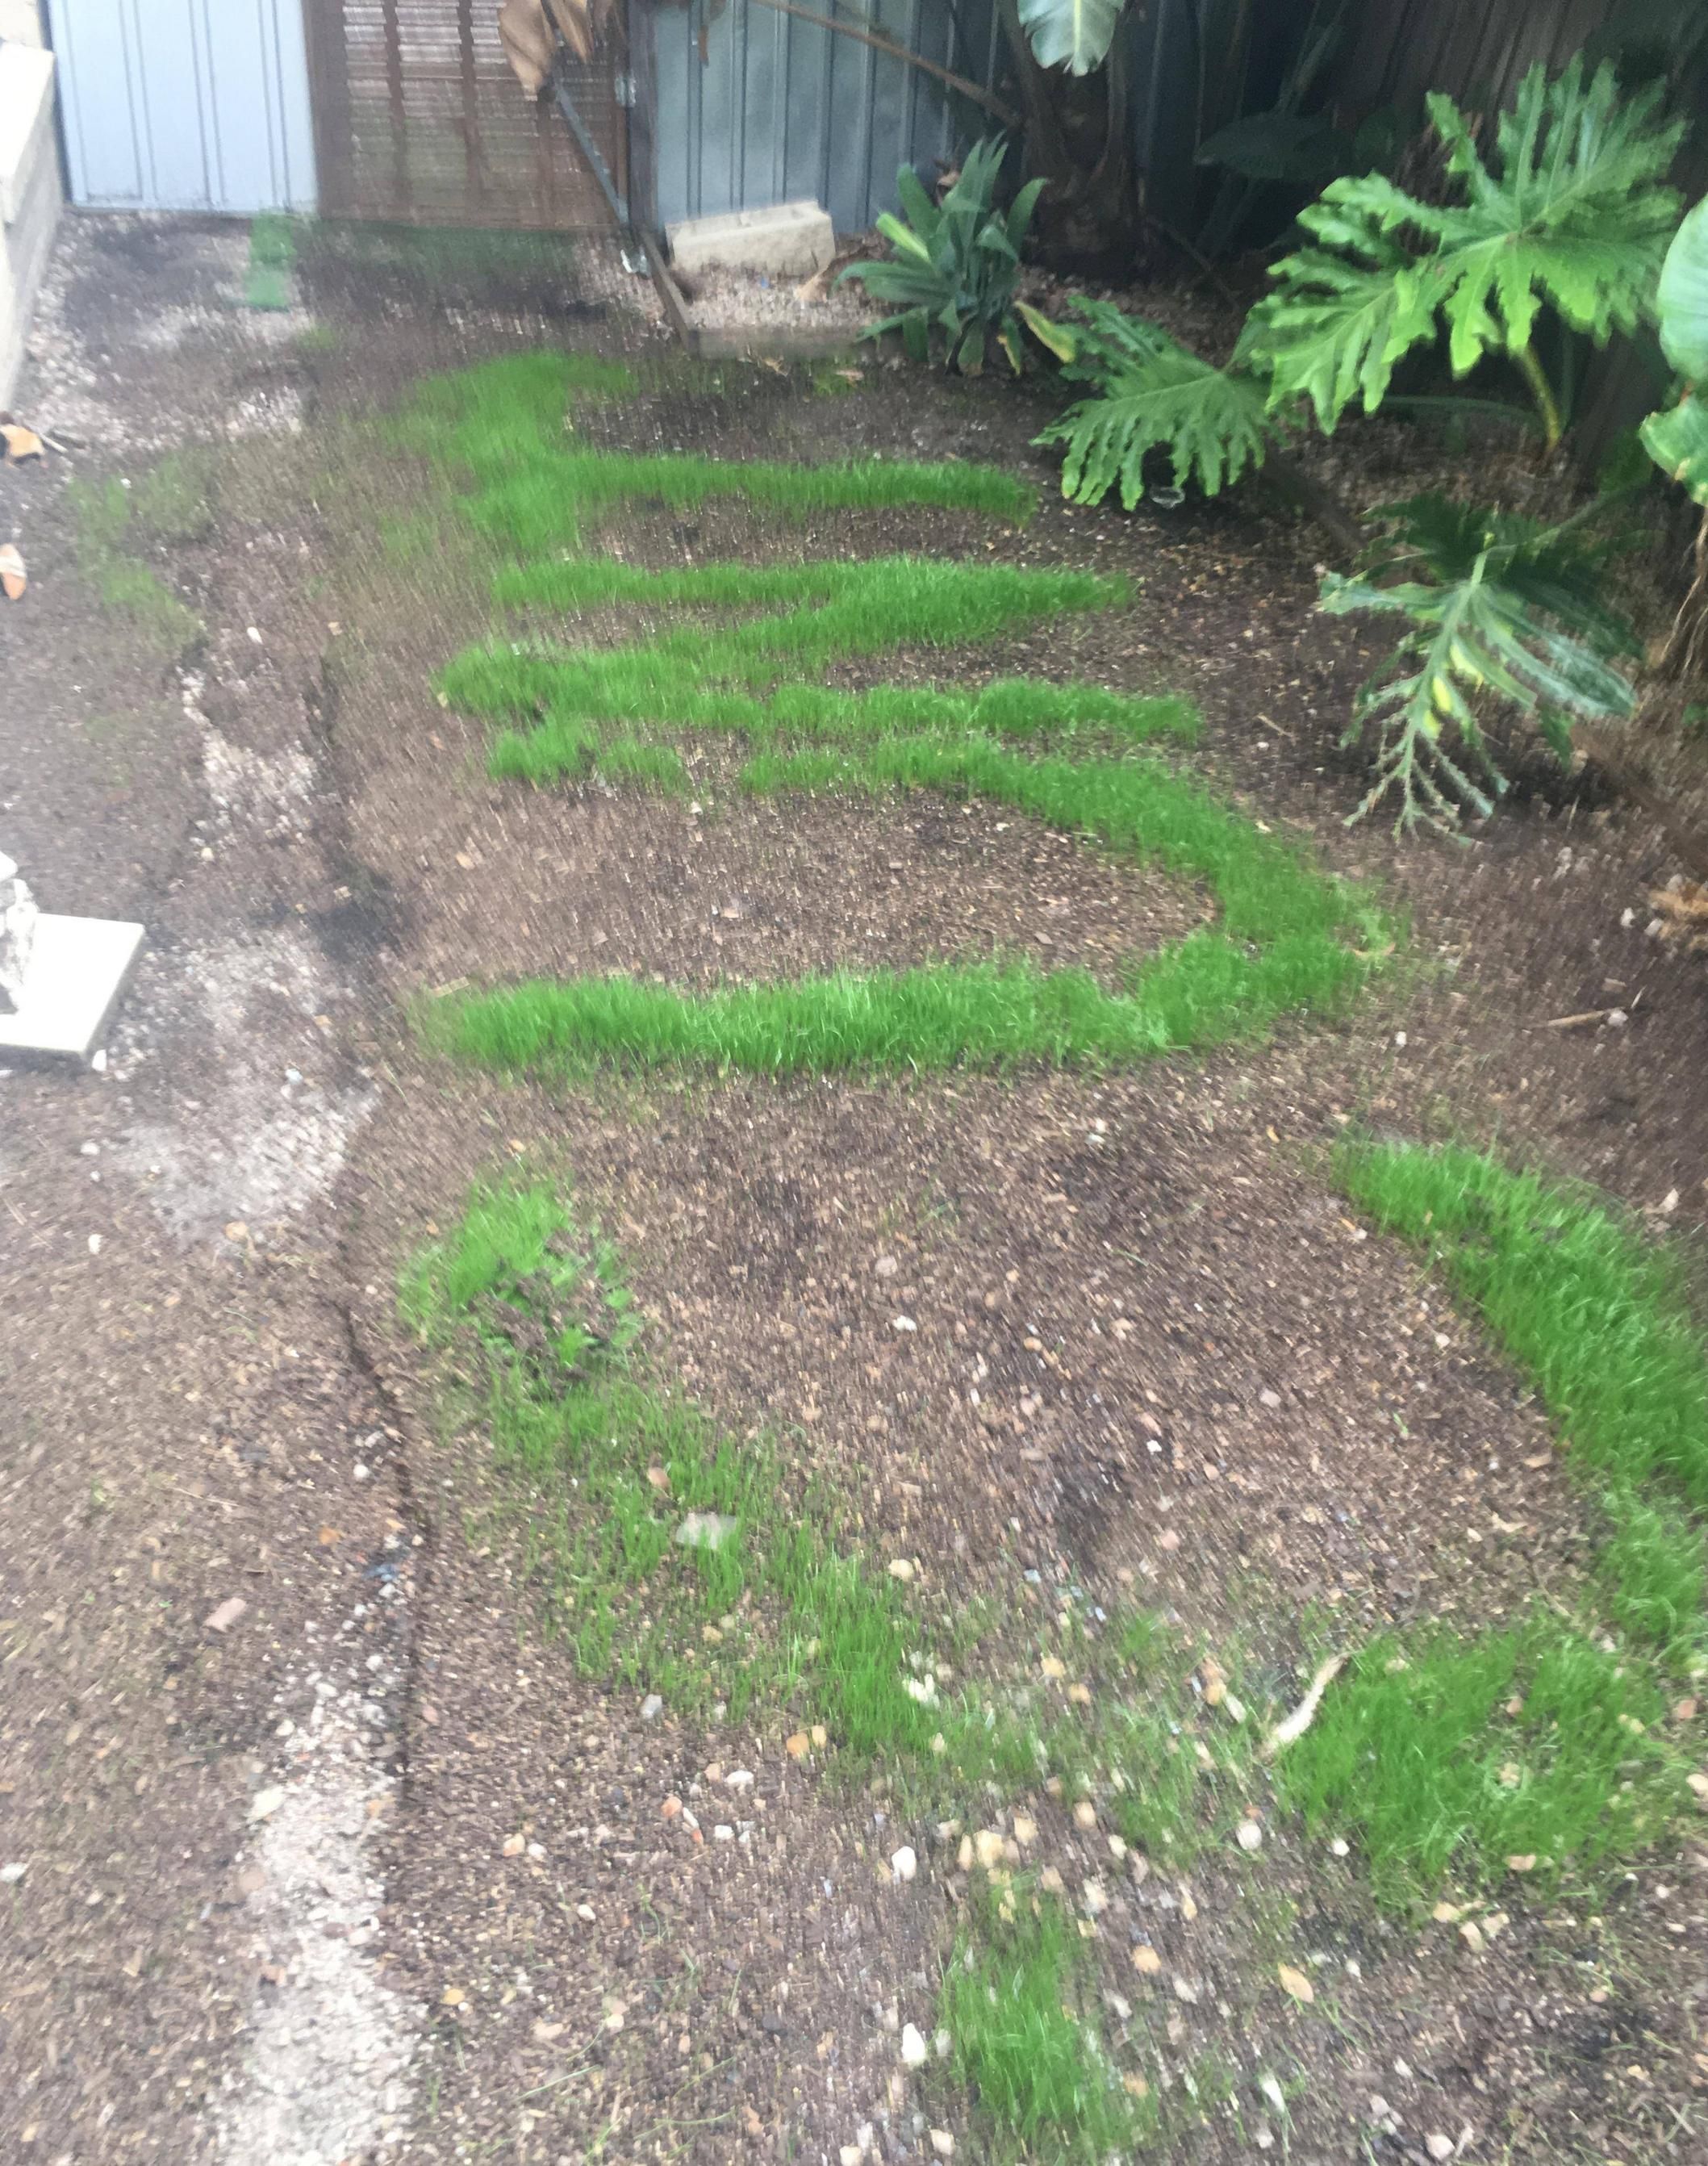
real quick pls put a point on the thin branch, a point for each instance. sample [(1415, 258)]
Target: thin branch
[(967, 88)]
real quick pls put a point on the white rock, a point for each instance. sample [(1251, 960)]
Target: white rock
[(904, 1865), (1249, 1834), (901, 1568), (942, 2144), (722, 1833), (651, 1708), (915, 2052), (705, 1530), (740, 1778), (1438, 2146), (10, 1875), (265, 1803)]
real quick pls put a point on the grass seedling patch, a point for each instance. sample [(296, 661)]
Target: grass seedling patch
[(1534, 1745), (749, 664), (273, 258), (1591, 1310), (110, 522), (674, 1557), (1020, 2003), (1538, 1744)]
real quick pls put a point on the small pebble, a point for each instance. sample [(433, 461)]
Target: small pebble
[(651, 1708), (915, 2052), (904, 1864)]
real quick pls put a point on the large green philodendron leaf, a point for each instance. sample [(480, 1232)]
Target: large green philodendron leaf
[(1682, 303), (1152, 392), (1573, 213), (1076, 34), (1677, 440)]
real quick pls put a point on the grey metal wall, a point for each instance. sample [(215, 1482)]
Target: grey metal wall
[(185, 104), (753, 107)]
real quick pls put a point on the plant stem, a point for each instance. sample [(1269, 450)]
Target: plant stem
[(1542, 391)]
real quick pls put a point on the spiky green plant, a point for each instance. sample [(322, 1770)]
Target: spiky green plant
[(1150, 392), (956, 264), (1571, 214), (1495, 606)]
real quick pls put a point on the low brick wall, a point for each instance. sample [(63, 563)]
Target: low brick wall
[(31, 195)]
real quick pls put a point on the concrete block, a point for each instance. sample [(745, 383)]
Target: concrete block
[(76, 970), (792, 240), (26, 122), (31, 198)]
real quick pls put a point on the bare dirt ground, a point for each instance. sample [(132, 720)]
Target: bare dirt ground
[(365, 1869)]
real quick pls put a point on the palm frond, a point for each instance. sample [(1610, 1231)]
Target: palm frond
[(1498, 608)]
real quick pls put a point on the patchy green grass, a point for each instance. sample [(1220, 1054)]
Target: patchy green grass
[(1591, 1310), (273, 258), (108, 525), (607, 1469), (1540, 1743), (1448, 1755), (1020, 2002), (600, 1466)]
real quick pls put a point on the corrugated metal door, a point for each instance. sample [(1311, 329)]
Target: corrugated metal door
[(755, 106), (186, 104), (419, 119)]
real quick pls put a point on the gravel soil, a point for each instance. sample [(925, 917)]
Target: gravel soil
[(369, 1869)]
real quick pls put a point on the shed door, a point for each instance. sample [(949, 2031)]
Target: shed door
[(186, 104), (419, 120)]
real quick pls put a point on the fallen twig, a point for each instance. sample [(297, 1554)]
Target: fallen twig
[(1290, 1731)]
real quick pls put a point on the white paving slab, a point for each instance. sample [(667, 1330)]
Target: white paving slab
[(77, 969)]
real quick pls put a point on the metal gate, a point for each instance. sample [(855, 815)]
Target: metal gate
[(185, 104), (418, 120)]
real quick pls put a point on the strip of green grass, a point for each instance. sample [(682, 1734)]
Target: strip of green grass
[(273, 258), (683, 680), (987, 1015), (1591, 1311), (535, 489)]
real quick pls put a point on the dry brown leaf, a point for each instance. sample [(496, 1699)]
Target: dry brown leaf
[(528, 44), (1295, 1983), (21, 443), (1682, 908), (13, 578)]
